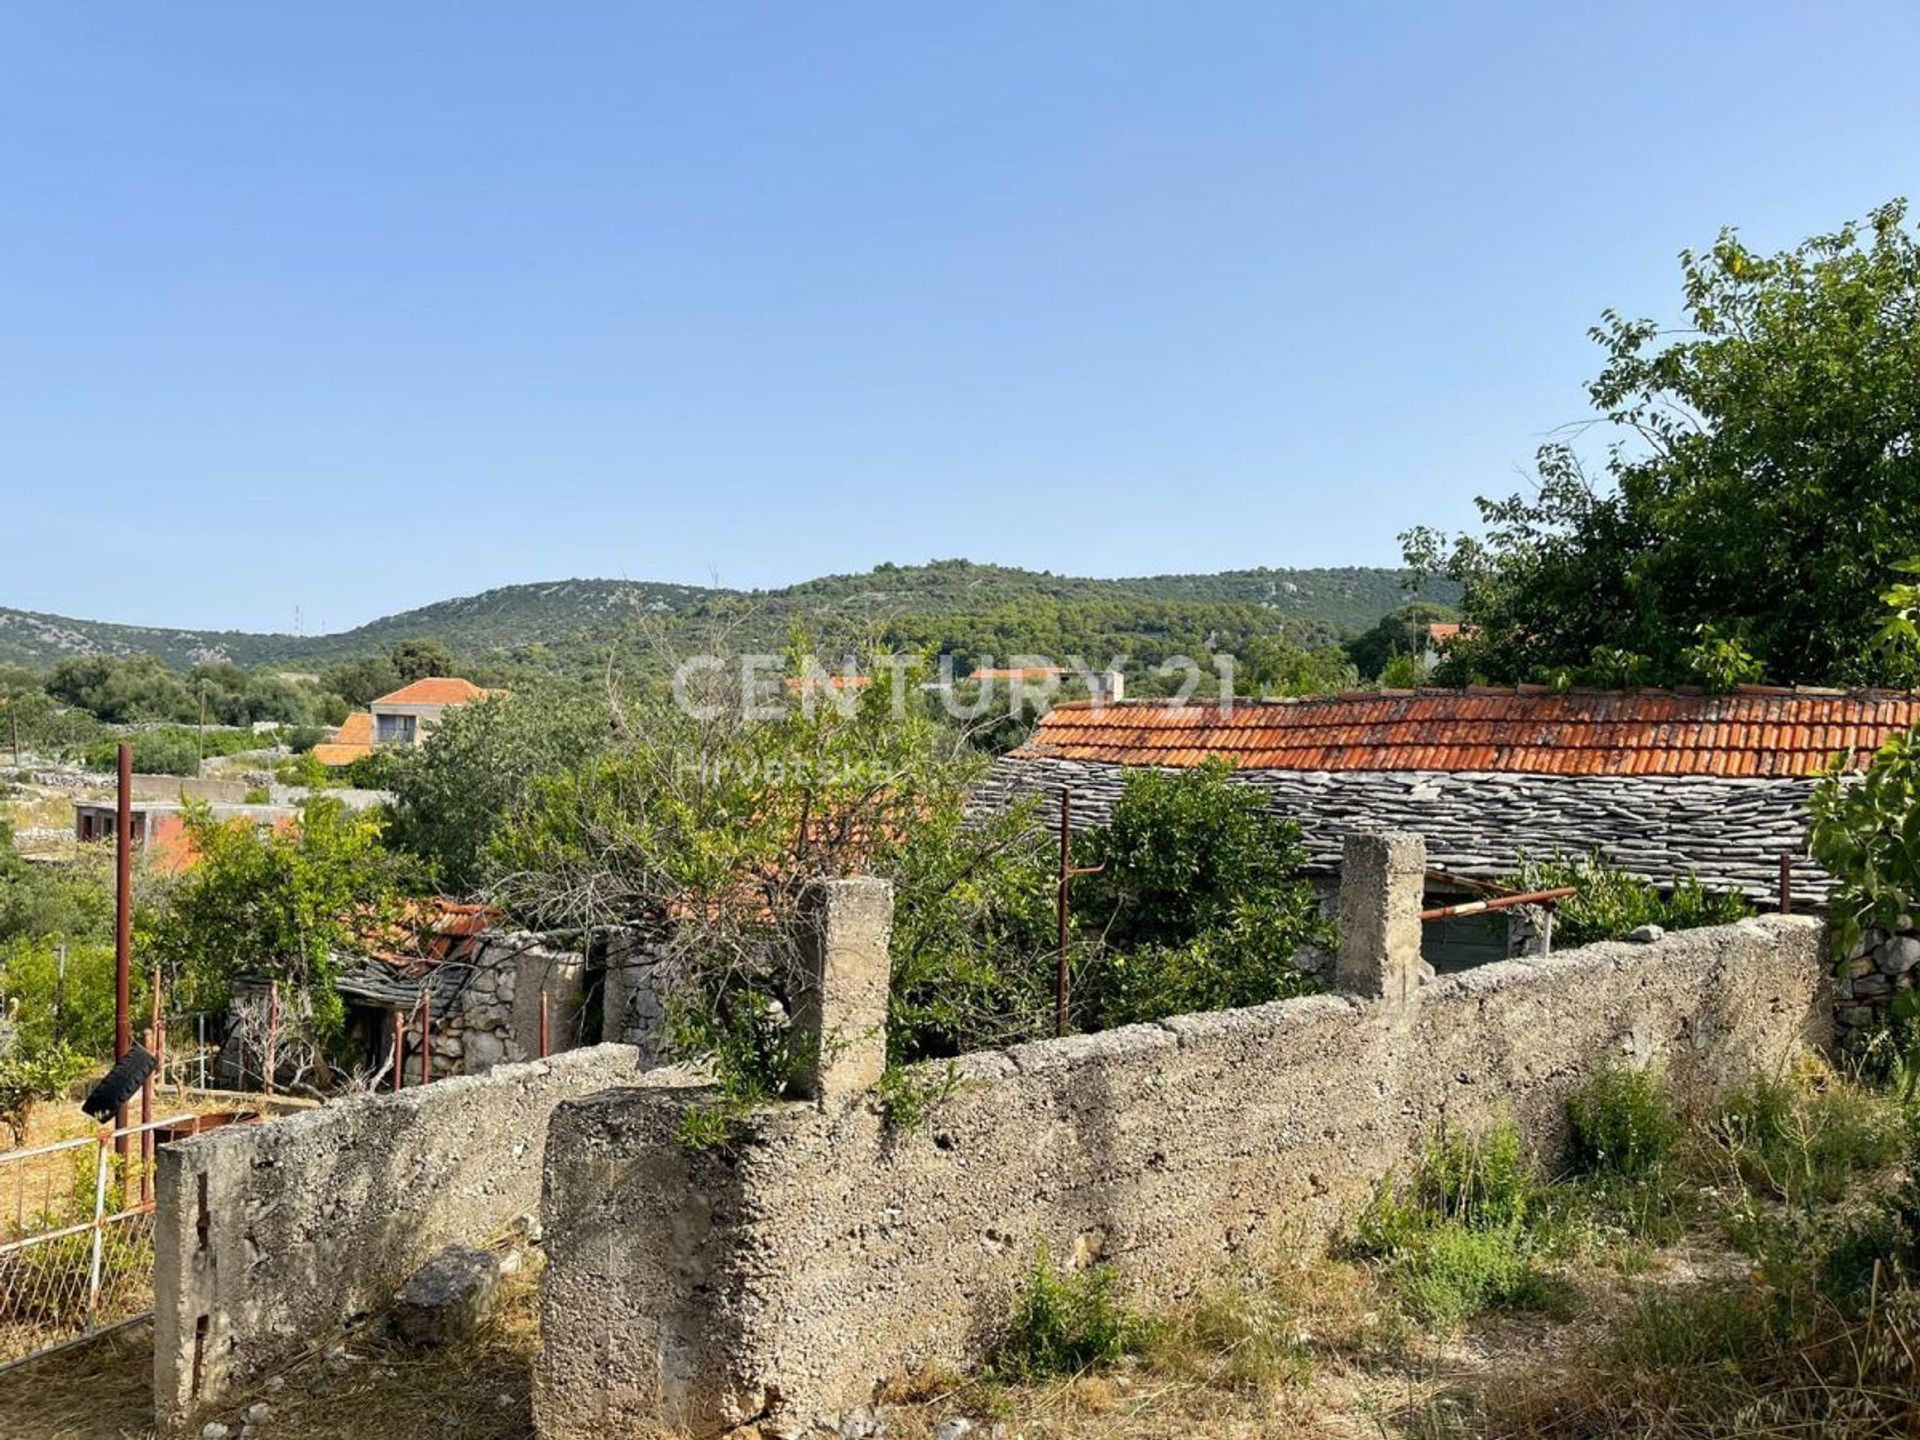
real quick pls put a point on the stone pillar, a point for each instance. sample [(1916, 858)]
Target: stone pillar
[(840, 1024), (1382, 880)]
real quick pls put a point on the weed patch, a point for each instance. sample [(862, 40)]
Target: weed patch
[(1066, 1323)]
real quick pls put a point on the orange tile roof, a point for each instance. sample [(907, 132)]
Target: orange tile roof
[(1755, 732), (352, 741), (1023, 672), (435, 690), (1443, 629)]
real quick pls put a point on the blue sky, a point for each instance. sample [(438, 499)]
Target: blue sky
[(352, 307)]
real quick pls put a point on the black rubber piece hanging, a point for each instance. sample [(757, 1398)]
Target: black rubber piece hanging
[(119, 1085)]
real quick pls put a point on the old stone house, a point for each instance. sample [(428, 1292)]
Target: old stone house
[(1664, 783)]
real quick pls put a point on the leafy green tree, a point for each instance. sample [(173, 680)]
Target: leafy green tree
[(1199, 902), (418, 658), (1762, 480), (62, 901), (29, 1076), (704, 824), (1401, 635), (279, 903), (361, 682), (451, 796)]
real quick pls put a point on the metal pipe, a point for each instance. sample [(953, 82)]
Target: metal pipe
[(426, 1034), (1060, 909), (123, 924), (399, 1060), (1499, 902), (1786, 884), (543, 1022)]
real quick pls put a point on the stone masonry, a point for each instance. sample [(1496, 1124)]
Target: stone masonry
[(1731, 833)]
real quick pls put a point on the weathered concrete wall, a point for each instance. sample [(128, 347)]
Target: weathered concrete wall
[(267, 1238), (788, 1273)]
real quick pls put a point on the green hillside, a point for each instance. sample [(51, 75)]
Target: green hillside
[(953, 603)]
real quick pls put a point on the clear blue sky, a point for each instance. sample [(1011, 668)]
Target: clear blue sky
[(354, 306)]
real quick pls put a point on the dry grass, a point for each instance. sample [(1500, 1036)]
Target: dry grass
[(377, 1389)]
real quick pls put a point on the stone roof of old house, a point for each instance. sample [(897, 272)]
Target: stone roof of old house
[(1753, 733)]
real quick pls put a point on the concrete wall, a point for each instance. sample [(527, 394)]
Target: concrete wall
[(786, 1274), (268, 1238)]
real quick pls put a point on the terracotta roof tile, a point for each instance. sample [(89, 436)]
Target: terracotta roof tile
[(1753, 732), (435, 690), (351, 742)]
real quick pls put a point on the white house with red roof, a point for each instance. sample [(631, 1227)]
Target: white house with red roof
[(404, 717)]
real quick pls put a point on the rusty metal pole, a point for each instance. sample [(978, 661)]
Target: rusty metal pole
[(1060, 908), (399, 1047), (123, 925), (426, 1035), (1786, 884)]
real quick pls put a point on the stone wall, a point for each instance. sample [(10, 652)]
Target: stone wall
[(269, 1238), (1732, 833), (487, 1008), (781, 1277), (1883, 965)]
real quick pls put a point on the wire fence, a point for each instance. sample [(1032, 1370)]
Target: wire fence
[(76, 1236)]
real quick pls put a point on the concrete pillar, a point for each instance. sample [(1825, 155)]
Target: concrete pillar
[(1382, 881), (840, 1024)]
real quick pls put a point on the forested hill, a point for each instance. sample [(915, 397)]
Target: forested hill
[(943, 602)]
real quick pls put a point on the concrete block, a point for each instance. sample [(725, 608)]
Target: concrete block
[(447, 1299), (840, 1022), (1382, 882)]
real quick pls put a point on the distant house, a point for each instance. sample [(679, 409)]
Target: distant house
[(404, 717), (1434, 648), (160, 828)]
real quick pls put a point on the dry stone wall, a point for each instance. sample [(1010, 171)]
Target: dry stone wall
[(269, 1238), (1884, 964), (781, 1277), (1732, 833)]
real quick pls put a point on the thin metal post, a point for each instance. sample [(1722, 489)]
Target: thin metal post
[(1060, 911), (543, 1022), (1786, 884), (200, 1045), (399, 1048), (426, 1034), (123, 924), (102, 1163), (1064, 908), (273, 1033)]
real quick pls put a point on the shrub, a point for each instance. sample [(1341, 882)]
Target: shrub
[(28, 1077), (1199, 901), (1067, 1323), (1804, 1143), (1461, 1238), (77, 1009), (1620, 1124), (1612, 903)]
